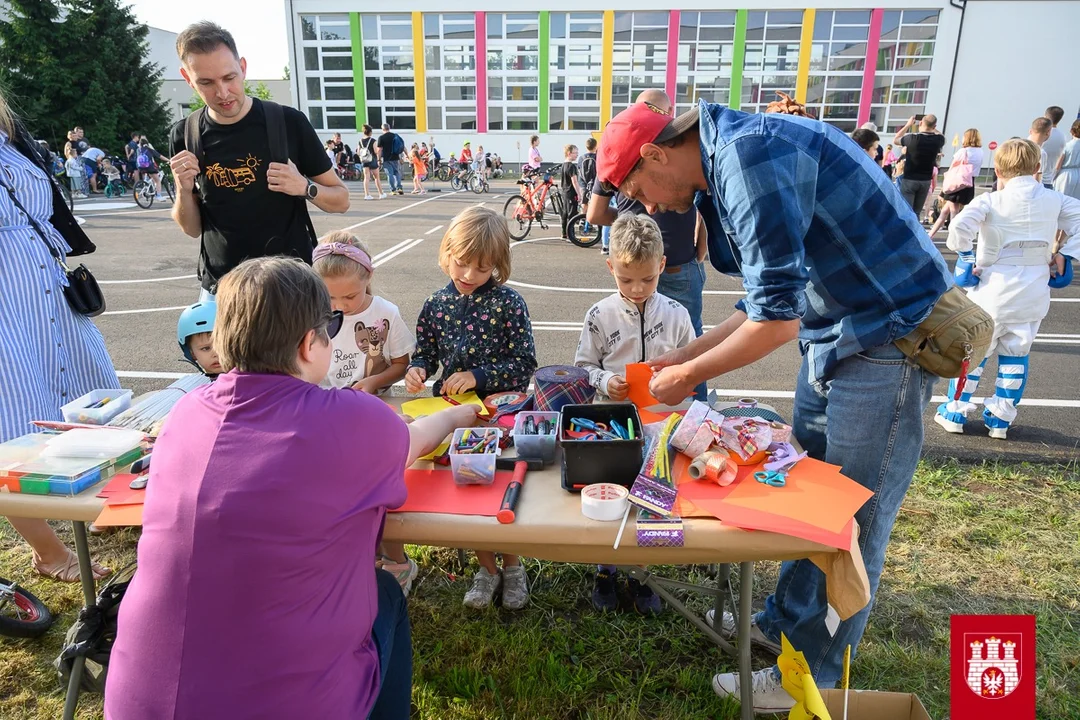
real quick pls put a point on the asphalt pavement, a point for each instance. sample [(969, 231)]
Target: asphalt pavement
[(147, 269)]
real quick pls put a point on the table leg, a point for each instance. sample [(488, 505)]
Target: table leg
[(746, 676), (89, 587), (723, 582)]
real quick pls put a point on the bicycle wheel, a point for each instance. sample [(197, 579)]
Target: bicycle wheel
[(170, 187), (66, 192), (144, 195), (583, 233), (455, 181), (555, 200), (443, 173), (518, 217), (476, 184), (21, 614)]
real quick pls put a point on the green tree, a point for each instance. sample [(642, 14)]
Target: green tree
[(80, 62), (260, 91)]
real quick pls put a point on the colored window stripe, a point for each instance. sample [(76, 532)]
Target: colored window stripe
[(605, 67), (545, 87), (872, 44), (806, 43), (738, 60), (359, 88), (481, 73), (671, 81), (418, 69)]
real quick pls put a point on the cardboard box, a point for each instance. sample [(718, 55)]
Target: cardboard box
[(874, 705)]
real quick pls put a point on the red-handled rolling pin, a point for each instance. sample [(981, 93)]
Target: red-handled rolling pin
[(508, 507)]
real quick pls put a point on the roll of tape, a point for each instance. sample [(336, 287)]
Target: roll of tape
[(496, 402), (559, 385), (748, 403), (604, 501)]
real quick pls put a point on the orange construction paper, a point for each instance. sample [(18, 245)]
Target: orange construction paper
[(131, 497), (434, 491), (120, 516), (638, 376), (768, 522)]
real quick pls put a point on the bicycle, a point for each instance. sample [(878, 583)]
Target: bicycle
[(521, 210), (146, 190), (22, 615), (578, 228), (554, 199)]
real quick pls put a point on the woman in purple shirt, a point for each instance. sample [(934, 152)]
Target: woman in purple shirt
[(257, 593)]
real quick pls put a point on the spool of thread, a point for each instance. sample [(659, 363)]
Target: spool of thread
[(604, 501), (497, 401), (746, 403), (561, 385), (715, 466)]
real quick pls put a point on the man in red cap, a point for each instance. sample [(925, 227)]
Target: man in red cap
[(828, 252)]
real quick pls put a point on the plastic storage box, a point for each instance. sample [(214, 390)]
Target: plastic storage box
[(102, 444), (80, 411), (24, 467), (474, 468), (597, 461), (535, 445)]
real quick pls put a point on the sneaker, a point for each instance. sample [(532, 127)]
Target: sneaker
[(368, 197), (483, 589), (998, 433), (382, 196), (995, 425), (604, 594), (949, 425), (770, 697), (728, 630), (605, 251), (400, 191), (646, 602), (405, 572), (515, 592)]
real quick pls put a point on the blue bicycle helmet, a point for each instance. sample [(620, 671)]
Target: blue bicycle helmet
[(198, 318)]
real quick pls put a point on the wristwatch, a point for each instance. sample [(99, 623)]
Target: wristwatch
[(312, 190)]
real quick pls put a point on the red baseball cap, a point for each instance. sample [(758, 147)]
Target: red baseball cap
[(640, 124)]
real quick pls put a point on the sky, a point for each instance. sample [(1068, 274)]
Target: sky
[(257, 25)]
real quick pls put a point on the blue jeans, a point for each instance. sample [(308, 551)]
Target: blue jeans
[(393, 637), (870, 423), (393, 174), (686, 286)]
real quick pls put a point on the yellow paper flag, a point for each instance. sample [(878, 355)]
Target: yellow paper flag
[(956, 140), (796, 679)]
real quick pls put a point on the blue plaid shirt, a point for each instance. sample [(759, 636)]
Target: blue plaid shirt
[(817, 232)]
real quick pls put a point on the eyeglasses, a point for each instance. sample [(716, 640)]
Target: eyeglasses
[(333, 327)]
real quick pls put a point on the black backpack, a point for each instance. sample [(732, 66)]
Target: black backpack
[(279, 152), (588, 169)]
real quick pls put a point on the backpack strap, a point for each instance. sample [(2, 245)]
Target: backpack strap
[(192, 136), (279, 152)]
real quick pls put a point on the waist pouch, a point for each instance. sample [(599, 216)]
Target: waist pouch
[(956, 331)]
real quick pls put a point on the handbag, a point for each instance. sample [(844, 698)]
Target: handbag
[(956, 333), (960, 175), (82, 292)]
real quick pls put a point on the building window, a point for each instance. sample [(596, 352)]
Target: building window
[(389, 76), (837, 62), (575, 62), (639, 59), (706, 52), (450, 70), (513, 70), (771, 62), (327, 84), (902, 75)]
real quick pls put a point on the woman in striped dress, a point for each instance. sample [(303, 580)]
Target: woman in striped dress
[(49, 354)]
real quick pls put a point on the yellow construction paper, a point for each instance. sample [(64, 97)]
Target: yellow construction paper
[(796, 678), (429, 406), (436, 452)]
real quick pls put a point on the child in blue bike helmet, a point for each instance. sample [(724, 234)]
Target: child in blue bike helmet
[(194, 333)]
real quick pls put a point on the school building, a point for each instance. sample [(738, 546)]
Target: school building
[(480, 71)]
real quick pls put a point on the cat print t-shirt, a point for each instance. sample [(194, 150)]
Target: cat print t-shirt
[(367, 342)]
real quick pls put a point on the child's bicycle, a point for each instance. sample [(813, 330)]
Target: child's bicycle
[(521, 210), (21, 614), (115, 188), (579, 230), (146, 189)]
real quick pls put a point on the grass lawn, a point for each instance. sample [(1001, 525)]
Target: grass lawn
[(990, 539)]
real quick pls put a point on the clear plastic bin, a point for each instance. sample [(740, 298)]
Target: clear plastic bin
[(80, 410), (474, 468), (535, 445), (104, 444)]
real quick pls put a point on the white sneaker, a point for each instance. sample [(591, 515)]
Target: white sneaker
[(515, 594), (949, 425), (404, 572), (770, 697), (368, 197), (383, 196), (998, 433), (483, 589), (729, 630)]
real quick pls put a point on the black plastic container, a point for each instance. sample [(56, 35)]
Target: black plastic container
[(594, 461)]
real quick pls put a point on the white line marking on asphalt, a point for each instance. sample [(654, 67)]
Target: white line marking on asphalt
[(126, 212), (400, 209), (434, 229), (145, 310), (384, 253), (148, 280), (150, 374), (387, 258)]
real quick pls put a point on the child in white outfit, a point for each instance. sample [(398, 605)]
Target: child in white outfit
[(1010, 275)]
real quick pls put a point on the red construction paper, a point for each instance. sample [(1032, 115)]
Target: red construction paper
[(132, 497), (638, 376), (120, 483), (434, 491)]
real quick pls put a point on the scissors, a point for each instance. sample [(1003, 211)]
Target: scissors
[(771, 478)]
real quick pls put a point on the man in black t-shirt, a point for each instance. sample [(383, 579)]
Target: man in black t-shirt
[(569, 186), (389, 159), (920, 160), (247, 206)]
